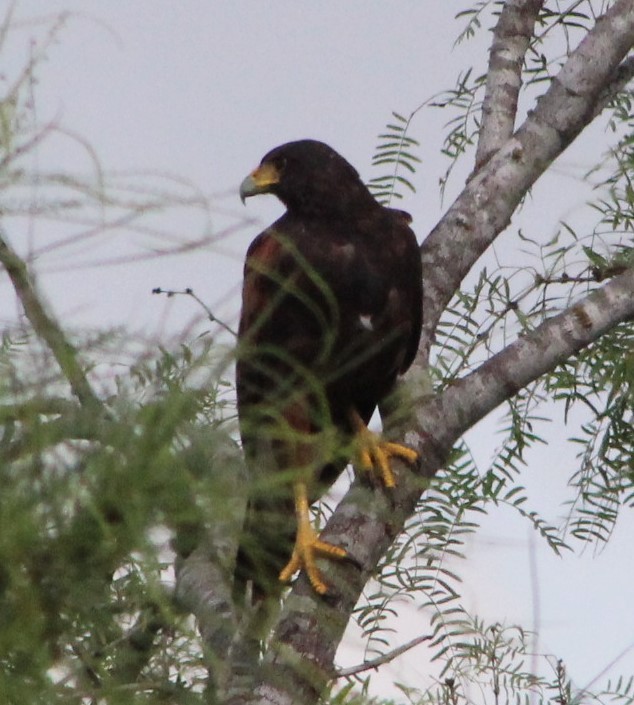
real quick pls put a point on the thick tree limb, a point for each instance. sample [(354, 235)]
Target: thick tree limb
[(487, 203), (511, 38), (204, 576), (300, 660), (622, 76), (528, 358)]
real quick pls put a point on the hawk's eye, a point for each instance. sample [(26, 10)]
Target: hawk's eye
[(279, 163)]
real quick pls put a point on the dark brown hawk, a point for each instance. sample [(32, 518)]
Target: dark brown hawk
[(331, 315)]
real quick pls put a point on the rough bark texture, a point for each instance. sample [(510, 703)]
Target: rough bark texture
[(300, 659), (487, 203), (300, 662), (511, 38)]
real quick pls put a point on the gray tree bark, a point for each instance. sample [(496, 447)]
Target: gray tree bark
[(299, 661)]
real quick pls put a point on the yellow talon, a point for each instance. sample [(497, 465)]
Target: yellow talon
[(308, 545), (375, 453)]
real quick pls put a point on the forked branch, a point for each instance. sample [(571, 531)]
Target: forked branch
[(484, 208)]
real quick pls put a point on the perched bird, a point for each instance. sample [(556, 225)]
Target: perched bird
[(331, 315)]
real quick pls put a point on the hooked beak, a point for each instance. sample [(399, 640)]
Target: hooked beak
[(259, 181)]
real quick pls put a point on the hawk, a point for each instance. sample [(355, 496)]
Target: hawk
[(331, 316)]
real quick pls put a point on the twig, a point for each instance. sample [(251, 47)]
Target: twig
[(560, 20), (383, 659), (190, 292), (596, 274), (607, 667), (45, 325)]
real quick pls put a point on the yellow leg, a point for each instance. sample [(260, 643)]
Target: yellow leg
[(308, 545), (375, 453)]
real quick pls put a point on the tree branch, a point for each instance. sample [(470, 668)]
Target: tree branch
[(622, 76), (528, 358), (190, 292), (486, 205), (383, 659), (204, 575), (300, 660), (511, 38), (46, 327), (203, 589)]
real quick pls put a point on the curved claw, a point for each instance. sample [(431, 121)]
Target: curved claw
[(308, 546), (375, 453)]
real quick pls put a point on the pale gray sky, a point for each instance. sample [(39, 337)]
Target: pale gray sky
[(201, 90)]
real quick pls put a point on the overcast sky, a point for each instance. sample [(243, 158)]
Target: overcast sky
[(200, 90)]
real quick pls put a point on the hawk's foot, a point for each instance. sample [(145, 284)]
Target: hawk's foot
[(308, 546), (374, 453)]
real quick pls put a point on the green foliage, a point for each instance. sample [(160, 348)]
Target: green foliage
[(88, 510), (396, 150), (465, 102), (603, 377), (473, 15), (95, 507)]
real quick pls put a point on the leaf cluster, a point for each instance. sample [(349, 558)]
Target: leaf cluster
[(395, 149), (92, 513)]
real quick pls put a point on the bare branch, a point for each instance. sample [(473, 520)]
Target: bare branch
[(46, 327), (486, 205), (511, 38), (383, 659), (26, 147), (190, 292)]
